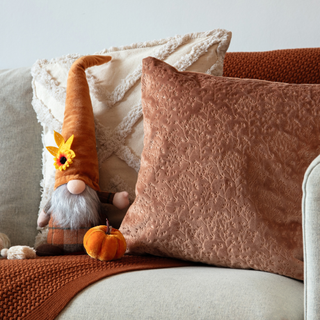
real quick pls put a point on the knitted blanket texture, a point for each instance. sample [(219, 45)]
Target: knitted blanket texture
[(40, 288)]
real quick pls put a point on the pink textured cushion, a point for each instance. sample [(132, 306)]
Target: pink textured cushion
[(222, 169)]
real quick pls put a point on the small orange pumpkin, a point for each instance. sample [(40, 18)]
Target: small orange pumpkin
[(104, 243)]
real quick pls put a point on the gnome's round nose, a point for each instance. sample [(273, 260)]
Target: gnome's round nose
[(76, 186), (83, 168)]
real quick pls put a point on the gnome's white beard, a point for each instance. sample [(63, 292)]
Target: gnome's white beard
[(75, 210)]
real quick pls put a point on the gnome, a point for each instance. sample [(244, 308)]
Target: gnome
[(76, 203)]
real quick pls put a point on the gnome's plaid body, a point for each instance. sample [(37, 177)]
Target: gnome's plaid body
[(65, 238), (71, 240)]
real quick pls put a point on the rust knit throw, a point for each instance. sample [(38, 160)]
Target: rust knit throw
[(287, 65), (40, 288)]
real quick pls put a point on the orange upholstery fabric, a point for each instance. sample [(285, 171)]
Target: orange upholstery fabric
[(290, 65)]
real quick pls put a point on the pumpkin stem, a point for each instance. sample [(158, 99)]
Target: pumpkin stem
[(109, 228)]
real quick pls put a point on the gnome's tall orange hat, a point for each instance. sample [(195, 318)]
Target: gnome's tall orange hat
[(76, 157)]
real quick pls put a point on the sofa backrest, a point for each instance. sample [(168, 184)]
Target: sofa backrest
[(20, 158)]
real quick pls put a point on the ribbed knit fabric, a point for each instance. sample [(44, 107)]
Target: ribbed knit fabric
[(289, 65), (40, 288)]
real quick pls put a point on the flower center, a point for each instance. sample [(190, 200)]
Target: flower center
[(63, 160)]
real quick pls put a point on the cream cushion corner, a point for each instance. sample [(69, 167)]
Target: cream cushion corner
[(115, 93)]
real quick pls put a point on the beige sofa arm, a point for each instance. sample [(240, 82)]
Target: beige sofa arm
[(311, 240)]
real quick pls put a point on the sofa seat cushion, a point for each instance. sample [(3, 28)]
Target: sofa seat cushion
[(197, 292)]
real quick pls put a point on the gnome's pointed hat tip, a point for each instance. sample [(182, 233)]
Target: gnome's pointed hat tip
[(78, 130)]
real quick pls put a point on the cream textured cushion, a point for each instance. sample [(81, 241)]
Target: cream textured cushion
[(115, 94)]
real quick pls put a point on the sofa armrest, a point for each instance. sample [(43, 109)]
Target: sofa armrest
[(311, 239)]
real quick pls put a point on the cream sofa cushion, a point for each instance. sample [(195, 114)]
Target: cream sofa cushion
[(200, 292)]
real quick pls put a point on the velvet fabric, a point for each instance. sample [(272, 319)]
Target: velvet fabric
[(222, 169), (79, 121)]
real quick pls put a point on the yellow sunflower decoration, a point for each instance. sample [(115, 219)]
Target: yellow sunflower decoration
[(63, 155)]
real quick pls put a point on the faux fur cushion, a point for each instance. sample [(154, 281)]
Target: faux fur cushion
[(116, 98), (222, 169), (290, 65)]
